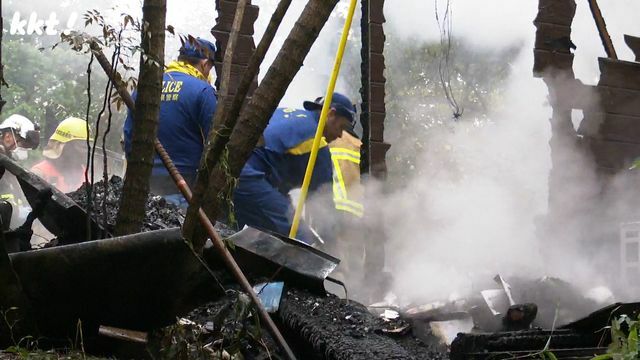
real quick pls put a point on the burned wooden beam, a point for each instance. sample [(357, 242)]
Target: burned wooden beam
[(553, 36), (634, 44), (602, 29), (115, 282), (619, 74)]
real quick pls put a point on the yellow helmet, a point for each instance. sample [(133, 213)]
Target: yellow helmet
[(71, 128)]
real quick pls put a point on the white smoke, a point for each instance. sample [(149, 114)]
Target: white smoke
[(474, 210), (313, 78)]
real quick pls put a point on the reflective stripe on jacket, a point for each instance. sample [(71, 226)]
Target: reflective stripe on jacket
[(284, 156), (347, 189)]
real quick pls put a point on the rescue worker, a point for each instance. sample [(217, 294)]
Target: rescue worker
[(18, 132), (65, 154), (187, 105), (347, 199), (278, 166), (347, 189)]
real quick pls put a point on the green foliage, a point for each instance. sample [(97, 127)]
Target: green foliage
[(54, 77), (46, 78), (624, 340), (417, 108)]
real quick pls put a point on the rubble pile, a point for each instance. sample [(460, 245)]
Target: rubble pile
[(160, 213), (316, 326), (341, 329), (226, 326)]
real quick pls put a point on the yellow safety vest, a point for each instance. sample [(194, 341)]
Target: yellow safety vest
[(347, 189)]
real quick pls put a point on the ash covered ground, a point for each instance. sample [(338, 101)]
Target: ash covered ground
[(160, 213), (316, 326)]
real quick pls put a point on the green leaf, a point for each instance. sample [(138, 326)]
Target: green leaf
[(603, 357)]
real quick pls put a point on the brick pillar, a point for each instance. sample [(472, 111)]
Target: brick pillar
[(373, 89), (244, 47)]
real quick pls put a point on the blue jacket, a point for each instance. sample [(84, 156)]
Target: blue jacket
[(287, 144), (187, 106)]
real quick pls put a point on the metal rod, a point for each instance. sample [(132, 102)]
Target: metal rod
[(323, 118), (123, 334), (602, 30), (206, 223)]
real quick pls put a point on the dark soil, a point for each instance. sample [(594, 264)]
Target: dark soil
[(160, 213)]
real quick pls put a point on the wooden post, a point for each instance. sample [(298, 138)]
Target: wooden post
[(373, 89), (602, 30), (244, 46)]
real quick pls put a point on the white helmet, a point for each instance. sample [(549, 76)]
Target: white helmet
[(24, 128)]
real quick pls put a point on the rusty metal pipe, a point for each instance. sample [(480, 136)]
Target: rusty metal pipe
[(206, 222)]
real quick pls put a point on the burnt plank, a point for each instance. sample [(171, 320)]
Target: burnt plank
[(552, 37), (377, 95), (545, 60), (376, 121), (613, 154), (376, 11), (244, 47), (376, 74), (619, 73), (634, 44), (237, 71), (559, 12), (378, 153), (620, 128), (590, 125), (619, 101), (376, 38), (572, 93), (227, 12)]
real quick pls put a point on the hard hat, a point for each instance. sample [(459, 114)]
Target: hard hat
[(20, 124), (27, 131), (198, 48), (71, 128)]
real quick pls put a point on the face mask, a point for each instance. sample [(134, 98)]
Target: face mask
[(20, 154)]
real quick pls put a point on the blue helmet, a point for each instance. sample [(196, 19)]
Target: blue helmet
[(198, 48), (343, 105)]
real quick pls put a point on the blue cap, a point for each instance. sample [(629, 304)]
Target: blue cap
[(341, 103), (198, 48)]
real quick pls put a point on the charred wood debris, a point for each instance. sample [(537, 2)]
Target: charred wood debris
[(130, 303), (151, 295)]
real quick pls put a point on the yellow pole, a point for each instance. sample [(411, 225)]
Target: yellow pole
[(323, 119)]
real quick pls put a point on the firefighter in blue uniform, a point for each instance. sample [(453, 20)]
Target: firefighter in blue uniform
[(188, 103), (278, 166)]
